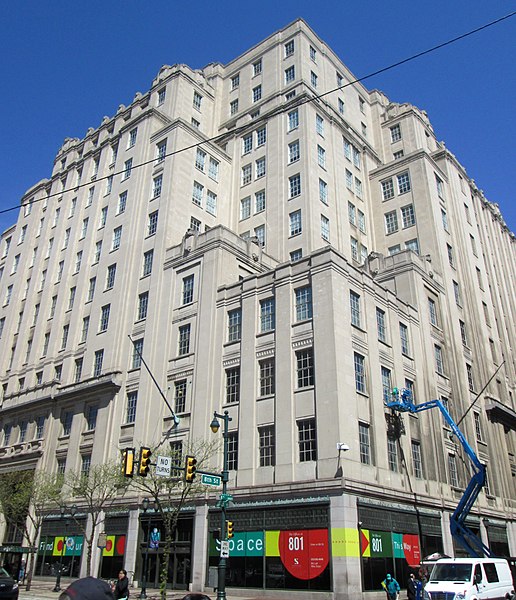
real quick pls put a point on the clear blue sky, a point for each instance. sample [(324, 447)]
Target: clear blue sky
[(67, 64)]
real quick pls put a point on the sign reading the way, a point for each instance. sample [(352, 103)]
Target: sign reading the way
[(164, 466), (213, 480)]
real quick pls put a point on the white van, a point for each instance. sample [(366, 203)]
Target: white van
[(470, 579)]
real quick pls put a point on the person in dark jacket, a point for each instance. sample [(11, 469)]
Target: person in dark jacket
[(412, 587), (87, 588), (121, 591)]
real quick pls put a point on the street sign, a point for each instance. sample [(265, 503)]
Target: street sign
[(224, 549), (102, 541), (213, 480), (164, 466)]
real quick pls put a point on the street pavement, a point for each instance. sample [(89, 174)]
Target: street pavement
[(42, 589)]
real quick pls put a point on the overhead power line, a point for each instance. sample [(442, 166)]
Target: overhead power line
[(282, 108)]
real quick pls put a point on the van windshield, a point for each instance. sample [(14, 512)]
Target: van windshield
[(451, 572)]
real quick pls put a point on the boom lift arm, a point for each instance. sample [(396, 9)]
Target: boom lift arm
[(402, 402)]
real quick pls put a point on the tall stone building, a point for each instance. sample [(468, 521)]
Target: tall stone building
[(286, 245)]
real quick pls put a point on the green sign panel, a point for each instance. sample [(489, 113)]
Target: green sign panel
[(381, 544), (244, 543), (213, 480)]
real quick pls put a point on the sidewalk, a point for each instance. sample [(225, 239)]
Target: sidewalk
[(42, 589)]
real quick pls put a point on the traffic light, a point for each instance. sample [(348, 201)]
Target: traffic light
[(145, 456), (229, 529), (190, 468), (128, 462)]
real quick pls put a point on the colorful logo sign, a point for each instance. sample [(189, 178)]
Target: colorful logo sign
[(390, 545), (115, 545), (304, 552)]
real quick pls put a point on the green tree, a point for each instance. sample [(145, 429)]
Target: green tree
[(171, 493), (95, 493), (26, 497)]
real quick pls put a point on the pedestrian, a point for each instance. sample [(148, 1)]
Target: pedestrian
[(87, 588), (121, 589), (412, 587), (391, 587)]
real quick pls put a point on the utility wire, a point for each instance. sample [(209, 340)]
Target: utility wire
[(282, 108)]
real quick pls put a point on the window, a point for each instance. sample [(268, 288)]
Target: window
[(77, 370), (260, 168), (361, 103), (319, 125), (234, 325), (78, 260), (188, 289), (103, 217), (213, 169), (439, 186), (143, 304), (180, 396), (267, 446), (233, 385), (381, 325), (184, 340), (7, 434), (456, 292), (104, 317), (313, 79), (303, 303), (259, 232), (323, 191), (444, 218), (405, 348), (267, 315), (245, 208), (247, 143), (8, 295), (161, 151), (130, 411), (364, 439), (408, 217), (307, 440), (432, 311), (110, 277), (305, 368), (293, 119), (2, 325), (293, 152), (295, 225), (395, 133), (40, 427), (153, 223), (399, 154), (452, 471), (67, 421), (478, 427), (157, 185), (361, 221), (267, 377), (354, 304), (341, 105), (349, 180), (257, 93), (358, 188), (391, 222), (64, 338), (85, 465), (161, 96), (257, 67), (354, 248), (325, 228), (439, 362), (289, 48), (195, 224), (473, 245), (197, 193), (128, 165), (56, 217), (97, 364), (321, 156), (117, 236), (471, 381), (136, 359), (356, 157), (360, 381), (85, 327), (259, 201), (200, 159), (392, 454), (247, 174), (89, 199), (197, 101), (132, 137), (290, 74), (109, 185), (195, 123), (403, 183), (46, 341), (235, 81), (232, 454), (386, 383), (417, 463)]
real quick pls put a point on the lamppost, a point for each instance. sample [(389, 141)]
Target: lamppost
[(146, 539), (73, 511), (224, 500)]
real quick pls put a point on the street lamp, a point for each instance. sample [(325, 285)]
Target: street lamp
[(73, 511), (224, 500)]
